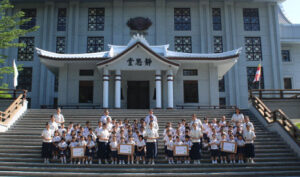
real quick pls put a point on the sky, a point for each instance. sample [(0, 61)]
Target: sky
[(292, 10)]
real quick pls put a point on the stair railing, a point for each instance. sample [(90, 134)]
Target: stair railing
[(283, 120), (276, 116), (17, 104), (276, 93)]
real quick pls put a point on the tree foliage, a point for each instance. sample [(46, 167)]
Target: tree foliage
[(9, 32)]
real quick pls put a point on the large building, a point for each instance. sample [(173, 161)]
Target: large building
[(154, 53)]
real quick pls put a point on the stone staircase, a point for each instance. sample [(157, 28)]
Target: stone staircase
[(20, 149)]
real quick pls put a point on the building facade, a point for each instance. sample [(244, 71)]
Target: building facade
[(199, 27)]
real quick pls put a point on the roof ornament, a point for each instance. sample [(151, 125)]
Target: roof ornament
[(138, 38)]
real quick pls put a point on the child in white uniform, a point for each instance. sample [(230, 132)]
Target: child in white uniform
[(131, 157), (114, 150), (188, 142), (140, 150), (178, 142), (214, 149), (73, 144), (63, 148), (170, 146), (240, 148), (90, 149)]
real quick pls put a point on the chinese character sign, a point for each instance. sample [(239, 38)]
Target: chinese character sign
[(139, 61)]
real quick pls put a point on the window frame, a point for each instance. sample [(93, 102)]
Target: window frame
[(181, 45), (179, 25), (249, 25), (99, 24), (215, 22), (95, 44)]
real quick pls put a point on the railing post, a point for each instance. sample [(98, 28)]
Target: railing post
[(14, 93), (260, 94), (281, 94)]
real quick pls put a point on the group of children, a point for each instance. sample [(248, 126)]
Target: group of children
[(208, 138), (103, 142)]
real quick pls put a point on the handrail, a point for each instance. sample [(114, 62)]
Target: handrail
[(17, 104), (262, 109), (205, 107), (287, 125), (276, 116), (275, 93)]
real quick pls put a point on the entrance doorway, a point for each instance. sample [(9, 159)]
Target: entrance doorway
[(138, 95)]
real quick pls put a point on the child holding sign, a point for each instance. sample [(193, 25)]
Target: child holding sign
[(131, 157), (232, 155), (178, 142)]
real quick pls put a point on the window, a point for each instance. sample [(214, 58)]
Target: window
[(285, 55), (29, 13), (183, 44), (222, 85), (86, 91), (96, 19), (190, 91), (62, 19), (288, 83), (216, 16), (60, 45), (182, 19), (253, 48), (86, 72), (251, 71), (251, 19), (56, 84), (95, 44), (25, 79), (218, 44), (190, 72), (26, 53)]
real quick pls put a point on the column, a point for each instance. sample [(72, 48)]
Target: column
[(105, 88), (160, 21), (118, 89), (170, 90), (158, 89)]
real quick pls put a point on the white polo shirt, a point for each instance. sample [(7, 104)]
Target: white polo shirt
[(104, 134), (103, 118), (197, 121), (47, 134), (237, 118), (151, 133), (53, 126), (249, 136), (196, 133), (147, 119), (140, 143), (214, 144), (59, 118)]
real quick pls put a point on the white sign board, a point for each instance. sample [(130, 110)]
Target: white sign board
[(181, 150), (125, 149), (77, 152), (229, 147)]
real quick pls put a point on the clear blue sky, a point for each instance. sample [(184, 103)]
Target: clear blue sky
[(292, 10)]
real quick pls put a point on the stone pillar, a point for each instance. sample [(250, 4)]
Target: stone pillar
[(170, 90), (105, 88), (158, 89), (118, 89)]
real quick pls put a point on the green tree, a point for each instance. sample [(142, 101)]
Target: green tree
[(9, 32)]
